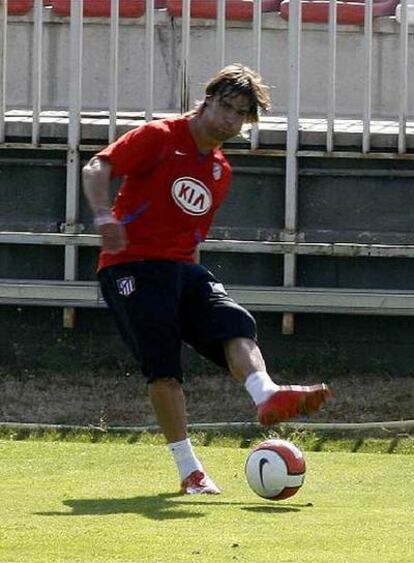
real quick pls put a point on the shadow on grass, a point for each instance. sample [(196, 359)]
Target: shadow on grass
[(158, 507)]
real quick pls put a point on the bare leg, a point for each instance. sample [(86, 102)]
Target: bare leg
[(168, 402), (243, 357)]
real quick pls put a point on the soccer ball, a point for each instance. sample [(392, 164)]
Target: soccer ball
[(275, 469)]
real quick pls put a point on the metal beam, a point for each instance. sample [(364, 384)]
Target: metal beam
[(343, 249), (256, 298), (185, 57), (367, 61), (330, 122), (37, 69), (403, 79), (3, 69), (113, 70), (221, 33), (325, 300), (149, 59)]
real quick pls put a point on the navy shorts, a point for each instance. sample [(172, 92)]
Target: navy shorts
[(160, 304)]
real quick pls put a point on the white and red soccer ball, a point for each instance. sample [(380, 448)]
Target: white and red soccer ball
[(275, 469)]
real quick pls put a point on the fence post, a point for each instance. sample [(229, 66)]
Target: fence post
[(185, 57), (3, 68), (73, 156), (291, 192)]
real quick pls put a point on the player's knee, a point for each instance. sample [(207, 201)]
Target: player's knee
[(251, 326), (246, 323), (166, 382)]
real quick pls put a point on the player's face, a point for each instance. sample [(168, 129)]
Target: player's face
[(224, 117)]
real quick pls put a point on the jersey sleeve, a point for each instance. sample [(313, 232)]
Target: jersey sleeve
[(137, 151)]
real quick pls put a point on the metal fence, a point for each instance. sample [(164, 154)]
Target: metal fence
[(289, 299)]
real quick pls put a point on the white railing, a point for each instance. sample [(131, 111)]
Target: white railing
[(295, 29), (72, 237)]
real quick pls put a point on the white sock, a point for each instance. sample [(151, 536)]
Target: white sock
[(184, 457), (259, 386)]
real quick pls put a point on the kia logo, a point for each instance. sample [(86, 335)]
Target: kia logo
[(192, 196)]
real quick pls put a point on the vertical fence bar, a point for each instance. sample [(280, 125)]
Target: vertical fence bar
[(221, 33), (330, 130), (257, 34), (149, 62), (185, 56), (291, 192), (113, 69), (402, 127), (3, 68), (366, 131), (257, 53), (37, 70), (73, 156)]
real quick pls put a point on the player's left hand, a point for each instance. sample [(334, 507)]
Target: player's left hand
[(114, 237)]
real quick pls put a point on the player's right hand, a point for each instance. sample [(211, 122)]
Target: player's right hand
[(114, 237)]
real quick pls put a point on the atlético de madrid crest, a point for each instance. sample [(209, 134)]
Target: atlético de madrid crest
[(126, 286), (217, 171)]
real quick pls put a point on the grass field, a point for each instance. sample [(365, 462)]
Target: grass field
[(105, 502)]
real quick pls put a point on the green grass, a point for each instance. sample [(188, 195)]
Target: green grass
[(113, 501), (378, 441)]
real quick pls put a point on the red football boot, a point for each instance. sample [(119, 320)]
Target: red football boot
[(198, 483), (290, 401)]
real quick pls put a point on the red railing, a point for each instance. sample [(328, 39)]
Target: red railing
[(317, 11), (235, 9), (101, 8), (348, 12)]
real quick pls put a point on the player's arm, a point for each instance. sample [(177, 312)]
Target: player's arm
[(96, 177)]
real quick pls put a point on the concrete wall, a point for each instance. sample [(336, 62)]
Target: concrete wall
[(33, 338), (239, 43)]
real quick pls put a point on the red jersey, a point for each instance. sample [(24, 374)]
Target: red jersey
[(169, 194)]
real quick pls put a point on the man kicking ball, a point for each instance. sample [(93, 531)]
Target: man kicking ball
[(175, 178)]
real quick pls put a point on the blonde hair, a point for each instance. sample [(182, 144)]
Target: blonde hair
[(238, 80)]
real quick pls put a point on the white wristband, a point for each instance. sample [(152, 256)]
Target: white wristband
[(104, 219)]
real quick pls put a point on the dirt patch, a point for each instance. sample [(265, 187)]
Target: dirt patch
[(121, 399)]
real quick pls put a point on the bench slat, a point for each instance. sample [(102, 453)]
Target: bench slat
[(255, 298)]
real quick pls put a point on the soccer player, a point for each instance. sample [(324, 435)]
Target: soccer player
[(175, 177)]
